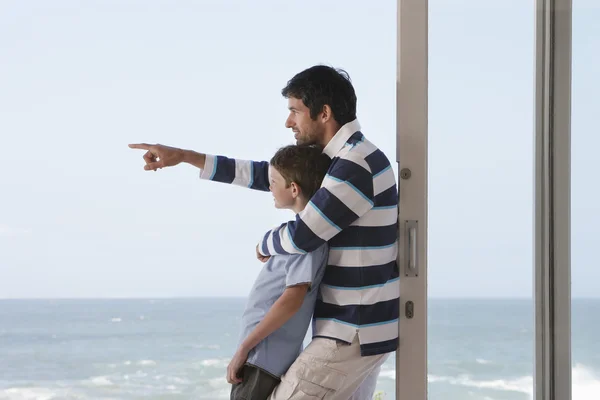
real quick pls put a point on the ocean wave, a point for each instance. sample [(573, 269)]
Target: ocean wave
[(36, 393), (586, 385), (215, 363), (29, 394), (520, 385), (146, 363), (100, 381), (585, 382)]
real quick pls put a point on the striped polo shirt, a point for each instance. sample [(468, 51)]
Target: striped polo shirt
[(356, 212)]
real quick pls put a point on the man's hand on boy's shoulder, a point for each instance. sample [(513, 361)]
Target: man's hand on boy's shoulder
[(260, 256)]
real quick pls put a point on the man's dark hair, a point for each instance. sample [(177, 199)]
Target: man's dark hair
[(321, 85), (304, 164)]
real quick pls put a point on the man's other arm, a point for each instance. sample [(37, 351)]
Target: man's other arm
[(345, 195)]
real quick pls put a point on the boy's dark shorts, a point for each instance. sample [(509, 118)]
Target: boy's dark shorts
[(256, 384)]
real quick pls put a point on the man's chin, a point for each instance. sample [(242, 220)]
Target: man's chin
[(304, 142)]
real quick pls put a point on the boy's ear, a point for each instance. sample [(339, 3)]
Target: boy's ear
[(296, 191)]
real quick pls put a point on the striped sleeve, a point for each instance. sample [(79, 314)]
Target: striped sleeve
[(345, 195), (250, 174)]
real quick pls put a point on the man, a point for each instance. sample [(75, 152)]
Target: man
[(355, 324)]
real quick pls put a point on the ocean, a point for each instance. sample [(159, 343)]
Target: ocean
[(179, 349)]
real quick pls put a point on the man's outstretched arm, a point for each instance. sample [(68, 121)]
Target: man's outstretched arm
[(246, 173), (345, 195), (251, 174)]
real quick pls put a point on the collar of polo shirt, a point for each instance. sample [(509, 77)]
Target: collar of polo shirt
[(338, 141)]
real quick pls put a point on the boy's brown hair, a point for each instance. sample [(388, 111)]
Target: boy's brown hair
[(306, 165)]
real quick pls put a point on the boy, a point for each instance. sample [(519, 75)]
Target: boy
[(282, 300)]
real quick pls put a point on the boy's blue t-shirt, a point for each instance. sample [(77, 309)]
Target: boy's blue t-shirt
[(276, 353)]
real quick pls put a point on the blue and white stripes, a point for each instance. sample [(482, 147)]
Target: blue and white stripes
[(250, 174), (356, 212)]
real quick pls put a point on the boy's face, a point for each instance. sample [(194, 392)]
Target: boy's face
[(283, 195)]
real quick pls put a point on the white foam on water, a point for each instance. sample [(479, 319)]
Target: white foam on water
[(586, 383), (482, 361), (520, 385), (100, 381), (216, 388), (216, 363), (146, 362), (29, 394), (116, 320)]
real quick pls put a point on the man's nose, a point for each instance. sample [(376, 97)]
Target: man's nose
[(289, 123)]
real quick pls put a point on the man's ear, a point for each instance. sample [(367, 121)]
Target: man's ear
[(326, 114)]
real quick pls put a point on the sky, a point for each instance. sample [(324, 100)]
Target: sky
[(79, 217)]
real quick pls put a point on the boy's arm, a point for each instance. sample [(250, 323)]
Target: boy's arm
[(301, 273), (345, 195), (282, 310), (246, 173)]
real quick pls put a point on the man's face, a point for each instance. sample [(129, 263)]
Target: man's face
[(283, 194), (306, 130)]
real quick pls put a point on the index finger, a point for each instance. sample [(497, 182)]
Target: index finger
[(141, 146)]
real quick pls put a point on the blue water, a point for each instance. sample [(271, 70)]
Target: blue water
[(178, 349)]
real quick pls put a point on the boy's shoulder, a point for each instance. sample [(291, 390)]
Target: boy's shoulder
[(320, 252)]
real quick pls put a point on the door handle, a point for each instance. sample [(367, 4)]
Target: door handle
[(411, 248)]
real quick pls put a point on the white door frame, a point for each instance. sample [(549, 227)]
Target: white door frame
[(552, 266), (411, 155)]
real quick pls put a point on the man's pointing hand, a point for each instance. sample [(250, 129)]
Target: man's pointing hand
[(158, 156)]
